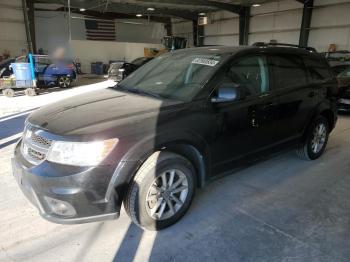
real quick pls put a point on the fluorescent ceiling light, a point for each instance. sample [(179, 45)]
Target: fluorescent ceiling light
[(202, 14), (82, 9), (139, 15), (150, 9), (256, 5)]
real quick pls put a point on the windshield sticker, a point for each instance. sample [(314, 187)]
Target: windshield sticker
[(205, 61)]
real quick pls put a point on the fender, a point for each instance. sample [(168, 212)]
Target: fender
[(323, 106), (176, 140)]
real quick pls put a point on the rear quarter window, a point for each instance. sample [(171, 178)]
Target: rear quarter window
[(318, 68), (289, 71)]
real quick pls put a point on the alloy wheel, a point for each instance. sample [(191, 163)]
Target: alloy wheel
[(319, 138), (64, 81), (167, 194)]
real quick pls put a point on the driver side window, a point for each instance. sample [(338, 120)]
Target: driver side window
[(251, 74)]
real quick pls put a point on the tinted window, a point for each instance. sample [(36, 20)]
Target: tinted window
[(289, 71), (317, 68), (44, 60), (250, 73)]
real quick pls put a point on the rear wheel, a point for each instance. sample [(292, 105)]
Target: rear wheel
[(8, 92), (64, 81), (161, 191), (316, 140)]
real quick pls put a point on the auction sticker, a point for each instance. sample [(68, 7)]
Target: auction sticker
[(205, 61)]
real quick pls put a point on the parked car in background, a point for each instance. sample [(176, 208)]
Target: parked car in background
[(52, 72), (119, 70), (184, 119), (5, 67), (343, 75), (337, 58)]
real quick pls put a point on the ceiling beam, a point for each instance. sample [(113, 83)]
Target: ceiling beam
[(198, 3), (108, 15), (126, 8)]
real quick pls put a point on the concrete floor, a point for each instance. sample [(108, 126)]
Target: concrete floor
[(282, 209)]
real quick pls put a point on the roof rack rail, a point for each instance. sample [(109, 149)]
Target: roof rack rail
[(286, 45)]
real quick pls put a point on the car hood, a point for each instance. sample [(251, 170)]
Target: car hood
[(99, 111)]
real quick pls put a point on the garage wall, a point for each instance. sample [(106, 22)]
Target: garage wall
[(104, 51), (12, 27), (281, 21), (223, 29), (143, 32), (183, 28), (52, 30), (330, 24)]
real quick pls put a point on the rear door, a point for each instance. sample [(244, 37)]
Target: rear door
[(296, 95)]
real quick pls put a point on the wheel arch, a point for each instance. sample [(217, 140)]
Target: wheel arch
[(195, 150), (326, 110)]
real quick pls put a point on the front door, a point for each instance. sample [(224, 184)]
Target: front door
[(246, 125)]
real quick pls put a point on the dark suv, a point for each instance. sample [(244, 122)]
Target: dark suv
[(174, 124)]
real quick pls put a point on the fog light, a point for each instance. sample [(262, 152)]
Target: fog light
[(60, 207)]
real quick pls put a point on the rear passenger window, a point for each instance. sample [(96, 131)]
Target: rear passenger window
[(289, 71), (250, 73), (317, 68)]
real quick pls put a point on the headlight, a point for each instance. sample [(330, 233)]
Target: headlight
[(80, 153)]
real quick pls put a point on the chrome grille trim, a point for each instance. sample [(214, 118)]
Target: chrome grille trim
[(34, 147)]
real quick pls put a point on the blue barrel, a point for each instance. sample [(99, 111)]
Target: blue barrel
[(23, 74), (22, 71)]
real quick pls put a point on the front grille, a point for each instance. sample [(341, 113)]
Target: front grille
[(41, 140), (34, 146), (36, 154)]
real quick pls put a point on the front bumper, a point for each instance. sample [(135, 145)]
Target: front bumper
[(81, 189)]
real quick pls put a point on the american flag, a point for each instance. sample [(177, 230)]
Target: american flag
[(100, 30)]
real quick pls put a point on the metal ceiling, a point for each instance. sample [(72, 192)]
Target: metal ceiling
[(187, 9)]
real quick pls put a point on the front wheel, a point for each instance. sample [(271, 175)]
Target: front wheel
[(161, 191), (316, 140), (64, 81)]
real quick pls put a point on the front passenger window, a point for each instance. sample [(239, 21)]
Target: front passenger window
[(250, 73)]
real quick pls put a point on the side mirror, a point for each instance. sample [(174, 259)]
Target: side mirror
[(227, 92)]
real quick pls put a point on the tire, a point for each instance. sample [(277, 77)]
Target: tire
[(64, 81), (8, 92), (147, 194), (307, 149), (30, 92)]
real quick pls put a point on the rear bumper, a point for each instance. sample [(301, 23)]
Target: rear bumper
[(81, 192)]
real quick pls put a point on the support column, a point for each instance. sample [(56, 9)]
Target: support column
[(306, 23), (26, 23), (31, 19), (244, 20), (198, 34)]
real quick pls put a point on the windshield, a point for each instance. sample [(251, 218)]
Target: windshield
[(174, 75)]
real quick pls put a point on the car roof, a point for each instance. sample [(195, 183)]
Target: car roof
[(221, 50)]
